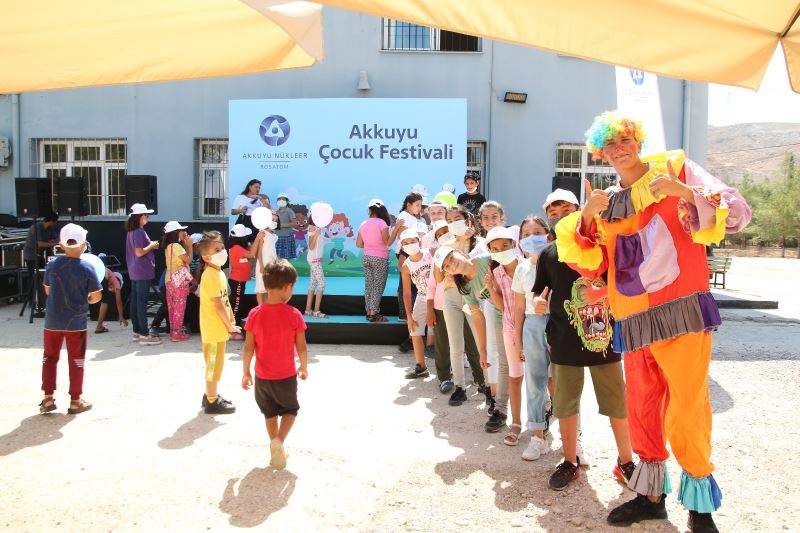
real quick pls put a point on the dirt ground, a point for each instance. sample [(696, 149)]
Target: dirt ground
[(370, 450)]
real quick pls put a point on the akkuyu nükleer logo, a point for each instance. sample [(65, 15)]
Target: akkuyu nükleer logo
[(274, 130), (637, 76)]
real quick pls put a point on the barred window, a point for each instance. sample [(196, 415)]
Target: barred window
[(103, 162), (573, 159), (476, 158), (399, 35), (211, 163)]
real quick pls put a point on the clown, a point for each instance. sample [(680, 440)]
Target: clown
[(650, 232)]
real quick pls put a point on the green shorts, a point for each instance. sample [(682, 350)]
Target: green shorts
[(609, 389)]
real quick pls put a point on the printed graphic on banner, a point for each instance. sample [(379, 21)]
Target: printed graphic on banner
[(344, 152), (638, 95)]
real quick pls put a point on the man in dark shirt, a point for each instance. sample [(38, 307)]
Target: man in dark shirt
[(45, 233), (472, 200)]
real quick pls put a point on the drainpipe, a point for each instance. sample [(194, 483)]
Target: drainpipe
[(686, 137), (16, 142), (489, 145)]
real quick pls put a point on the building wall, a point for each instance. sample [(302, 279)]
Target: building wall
[(162, 120)]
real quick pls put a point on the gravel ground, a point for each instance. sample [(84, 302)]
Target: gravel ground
[(370, 450)]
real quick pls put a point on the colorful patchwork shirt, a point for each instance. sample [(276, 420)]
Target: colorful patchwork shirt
[(654, 249)]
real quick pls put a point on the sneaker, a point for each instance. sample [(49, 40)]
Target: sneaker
[(565, 474), (624, 471), (583, 459), (136, 336), (154, 332), (418, 372), (491, 406), (446, 386), (149, 340), (39, 313), (496, 422), (638, 509), (430, 352), (405, 346), (535, 449), (220, 407), (458, 397), (204, 402), (701, 523), (402, 319)]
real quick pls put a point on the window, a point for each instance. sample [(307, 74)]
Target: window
[(573, 159), (212, 177), (476, 158), (103, 162), (398, 35)]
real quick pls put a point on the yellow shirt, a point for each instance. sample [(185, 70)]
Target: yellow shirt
[(174, 254), (213, 284)]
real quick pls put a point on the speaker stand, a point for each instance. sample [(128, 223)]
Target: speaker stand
[(34, 288)]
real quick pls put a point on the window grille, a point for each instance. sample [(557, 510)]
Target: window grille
[(399, 35)]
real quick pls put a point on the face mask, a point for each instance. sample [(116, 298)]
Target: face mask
[(282, 203), (533, 244), (272, 224), (505, 257), (411, 249), (472, 190), (219, 258), (457, 227), (447, 239)]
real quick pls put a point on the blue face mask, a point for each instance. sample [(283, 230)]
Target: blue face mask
[(533, 244)]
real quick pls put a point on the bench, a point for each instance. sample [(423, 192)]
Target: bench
[(717, 268)]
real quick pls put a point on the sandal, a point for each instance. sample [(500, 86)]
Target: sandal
[(379, 318), (101, 330), (512, 438), (318, 314), (78, 406), (47, 405), (309, 312)]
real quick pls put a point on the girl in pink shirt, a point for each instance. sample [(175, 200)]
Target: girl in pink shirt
[(374, 238)]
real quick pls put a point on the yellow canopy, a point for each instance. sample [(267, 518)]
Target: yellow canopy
[(721, 41), (54, 44)]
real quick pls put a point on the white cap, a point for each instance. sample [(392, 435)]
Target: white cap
[(560, 194), (438, 203), (140, 209), (172, 225), (281, 195), (421, 227), (499, 232), (196, 237), (377, 202), (449, 187), (409, 234), (441, 254), (240, 230), (439, 224), (72, 232)]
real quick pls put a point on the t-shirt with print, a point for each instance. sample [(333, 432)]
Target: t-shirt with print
[(139, 268), (70, 280), (174, 255), (240, 264), (213, 284), (285, 216), (524, 277), (472, 202), (477, 289), (275, 327), (420, 271), (579, 333)]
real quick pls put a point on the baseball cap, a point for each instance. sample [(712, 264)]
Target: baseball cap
[(196, 237), (72, 232), (140, 209), (438, 203), (240, 230), (449, 187), (376, 202), (439, 224), (410, 233), (560, 194), (172, 225), (499, 232), (282, 195), (441, 254)]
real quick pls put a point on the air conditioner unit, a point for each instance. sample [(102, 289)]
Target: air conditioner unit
[(5, 151)]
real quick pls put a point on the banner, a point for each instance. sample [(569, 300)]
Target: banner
[(638, 96), (345, 152)]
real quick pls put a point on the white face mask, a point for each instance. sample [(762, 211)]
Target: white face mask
[(282, 203), (272, 224), (505, 257), (411, 249), (219, 258), (447, 239), (472, 190), (533, 244), (457, 227)]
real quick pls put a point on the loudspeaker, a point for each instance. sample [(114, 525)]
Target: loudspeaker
[(570, 183), (34, 197), (73, 196), (141, 190)]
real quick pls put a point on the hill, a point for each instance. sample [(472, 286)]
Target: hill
[(756, 149)]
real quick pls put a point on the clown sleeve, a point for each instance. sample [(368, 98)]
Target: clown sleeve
[(580, 247), (718, 209)]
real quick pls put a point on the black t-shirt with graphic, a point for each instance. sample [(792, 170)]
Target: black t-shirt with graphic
[(472, 202), (579, 333)]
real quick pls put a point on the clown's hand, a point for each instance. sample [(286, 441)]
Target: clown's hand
[(596, 201), (668, 185)]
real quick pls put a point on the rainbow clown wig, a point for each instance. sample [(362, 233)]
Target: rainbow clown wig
[(607, 126)]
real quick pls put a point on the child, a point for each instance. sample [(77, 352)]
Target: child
[(316, 243), (579, 333), (176, 244), (374, 238), (530, 336), (216, 319), (112, 294), (71, 284), (240, 272), (416, 270), (263, 249), (472, 199), (410, 215), (275, 332)]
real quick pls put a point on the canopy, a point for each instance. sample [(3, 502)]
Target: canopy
[(720, 41), (54, 44)]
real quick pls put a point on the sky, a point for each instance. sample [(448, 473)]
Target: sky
[(774, 102)]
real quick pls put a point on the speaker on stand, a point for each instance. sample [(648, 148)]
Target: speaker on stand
[(141, 189), (73, 196)]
